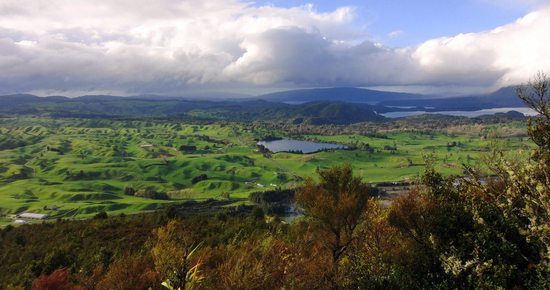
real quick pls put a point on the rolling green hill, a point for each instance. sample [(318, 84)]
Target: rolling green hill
[(84, 166)]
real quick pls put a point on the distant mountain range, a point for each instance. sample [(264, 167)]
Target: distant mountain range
[(350, 95), (317, 113), (101, 106), (393, 101), (503, 98), (313, 106)]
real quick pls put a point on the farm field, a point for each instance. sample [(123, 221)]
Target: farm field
[(79, 167)]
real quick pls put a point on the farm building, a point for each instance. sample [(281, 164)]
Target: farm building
[(34, 216), (146, 145)]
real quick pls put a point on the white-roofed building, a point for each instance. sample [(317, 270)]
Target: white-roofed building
[(34, 216)]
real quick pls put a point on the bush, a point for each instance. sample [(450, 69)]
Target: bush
[(101, 215), (199, 178), (151, 193)]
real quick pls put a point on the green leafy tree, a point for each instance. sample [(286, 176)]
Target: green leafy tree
[(486, 232), (533, 181)]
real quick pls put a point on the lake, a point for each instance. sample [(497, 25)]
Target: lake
[(289, 145), (470, 114)]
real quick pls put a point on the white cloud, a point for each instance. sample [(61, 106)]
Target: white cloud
[(395, 34), (512, 4), (507, 55), (169, 46), (141, 45)]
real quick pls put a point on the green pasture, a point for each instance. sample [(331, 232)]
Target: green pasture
[(83, 166)]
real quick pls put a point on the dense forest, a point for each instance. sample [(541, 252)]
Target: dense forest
[(446, 233)]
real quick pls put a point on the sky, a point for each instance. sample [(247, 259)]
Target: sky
[(399, 23), (185, 47)]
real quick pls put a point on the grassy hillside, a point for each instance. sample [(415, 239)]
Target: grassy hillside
[(87, 166)]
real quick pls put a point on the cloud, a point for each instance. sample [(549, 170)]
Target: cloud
[(142, 46), (506, 55), (173, 46), (395, 33), (511, 4)]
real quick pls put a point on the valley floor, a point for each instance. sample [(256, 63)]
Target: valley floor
[(79, 167)]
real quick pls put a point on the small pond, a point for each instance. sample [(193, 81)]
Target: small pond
[(289, 145)]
